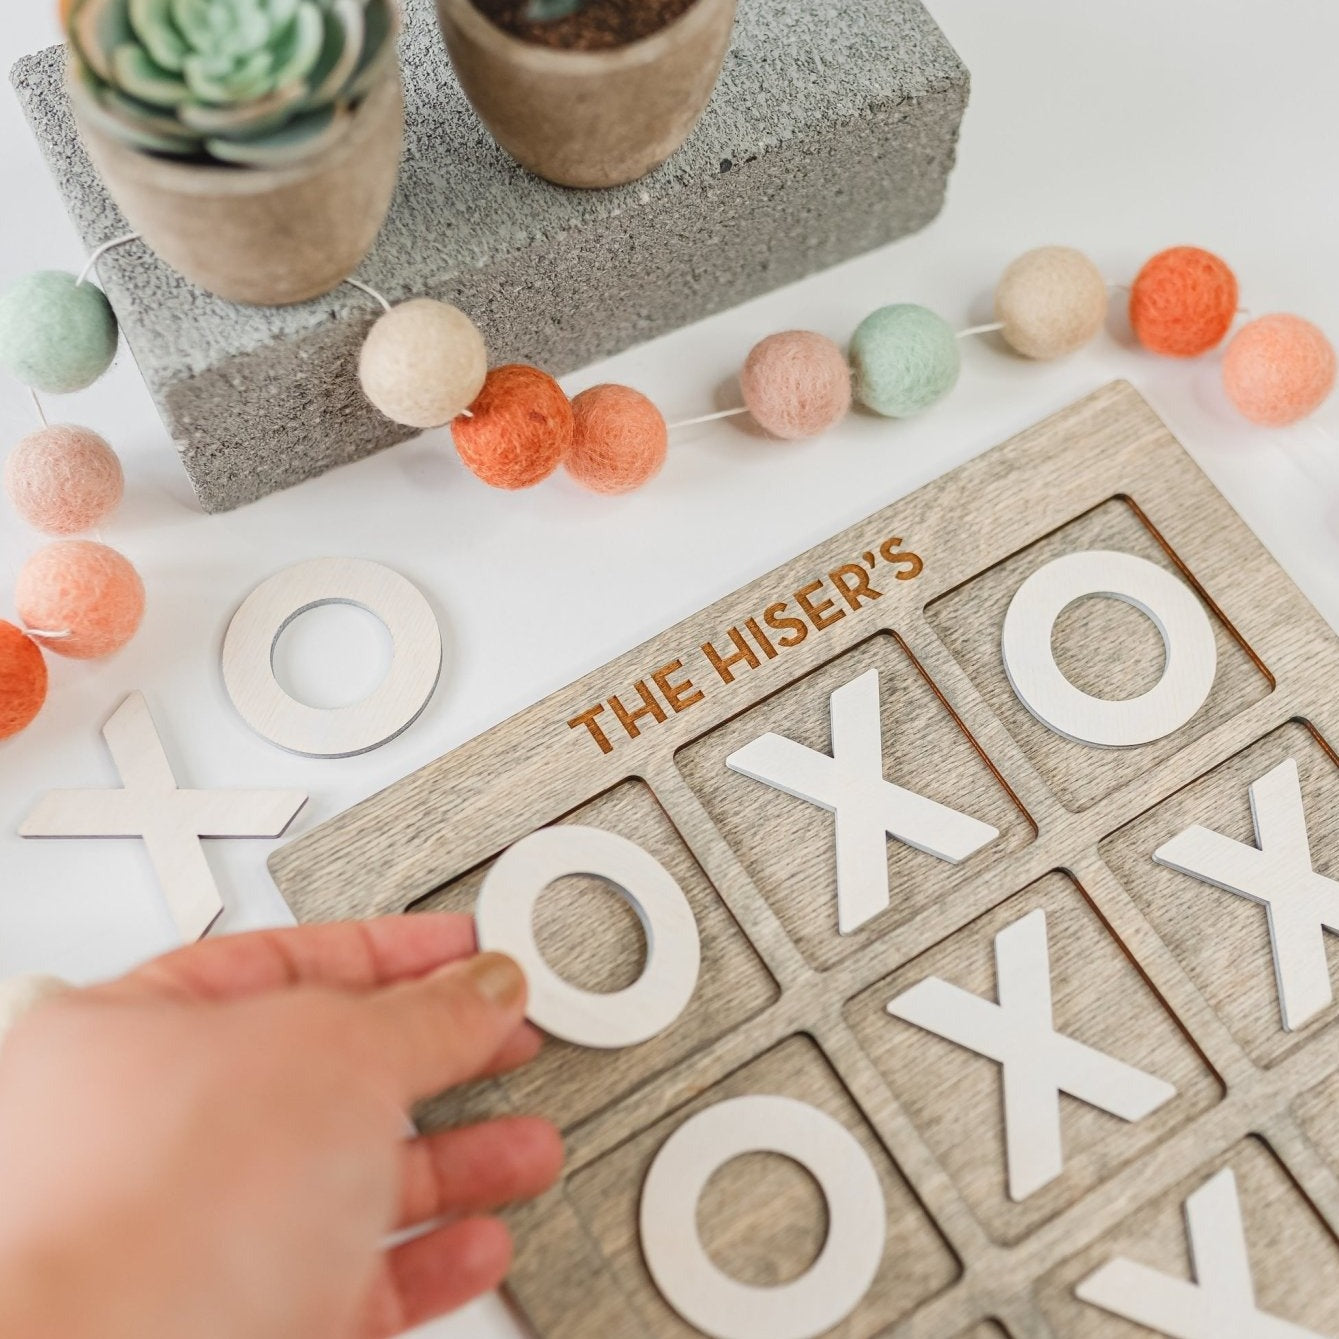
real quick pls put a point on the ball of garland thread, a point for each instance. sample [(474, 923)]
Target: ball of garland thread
[(84, 589), (905, 359), (796, 384), (519, 428), (63, 479), (23, 680), (423, 363), (56, 335), (619, 439), (1182, 302), (1278, 369), (1051, 301)]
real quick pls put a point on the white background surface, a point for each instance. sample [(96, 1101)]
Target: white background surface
[(1117, 128)]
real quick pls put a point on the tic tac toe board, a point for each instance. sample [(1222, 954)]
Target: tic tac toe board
[(993, 959)]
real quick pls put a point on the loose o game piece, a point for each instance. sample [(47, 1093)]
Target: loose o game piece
[(84, 590), (519, 430), (1051, 302), (1278, 369), (169, 820), (63, 479), (905, 358), (505, 916), (796, 384), (23, 680), (338, 732), (56, 335), (691, 1282), (619, 439), (423, 363), (1182, 302)]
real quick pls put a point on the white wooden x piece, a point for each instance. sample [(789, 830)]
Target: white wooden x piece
[(1277, 873), (1219, 1304), (1038, 1063), (170, 821), (850, 784)]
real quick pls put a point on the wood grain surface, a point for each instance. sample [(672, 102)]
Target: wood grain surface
[(789, 1005)]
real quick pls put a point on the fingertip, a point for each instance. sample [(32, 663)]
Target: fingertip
[(498, 980)]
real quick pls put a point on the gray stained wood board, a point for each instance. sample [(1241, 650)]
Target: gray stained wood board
[(787, 1005)]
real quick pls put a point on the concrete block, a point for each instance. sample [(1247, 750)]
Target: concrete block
[(832, 131)]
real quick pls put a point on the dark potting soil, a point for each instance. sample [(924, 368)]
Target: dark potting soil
[(596, 26)]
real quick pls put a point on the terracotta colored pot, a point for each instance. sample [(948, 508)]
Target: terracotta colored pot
[(265, 236), (589, 118)]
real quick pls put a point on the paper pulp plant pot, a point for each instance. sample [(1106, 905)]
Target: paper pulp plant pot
[(266, 236), (589, 118)]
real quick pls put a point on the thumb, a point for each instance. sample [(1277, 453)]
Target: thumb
[(444, 1029)]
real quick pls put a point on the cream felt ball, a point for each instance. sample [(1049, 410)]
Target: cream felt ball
[(905, 358), (1278, 369), (796, 384), (619, 439), (84, 589), (1051, 302), (423, 363), (56, 334), (63, 479)]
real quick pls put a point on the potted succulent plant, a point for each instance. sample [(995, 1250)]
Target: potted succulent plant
[(253, 144), (588, 92)]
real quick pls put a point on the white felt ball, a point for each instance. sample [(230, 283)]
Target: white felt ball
[(423, 363), (1052, 301), (21, 994)]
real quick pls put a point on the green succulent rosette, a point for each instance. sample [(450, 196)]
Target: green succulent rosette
[(252, 83)]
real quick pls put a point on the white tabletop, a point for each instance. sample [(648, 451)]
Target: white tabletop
[(1117, 128)]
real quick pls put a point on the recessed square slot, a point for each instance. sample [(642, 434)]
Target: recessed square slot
[(761, 1218), (1247, 969), (992, 1123), (792, 846), (592, 937), (1104, 647), (1144, 1266)]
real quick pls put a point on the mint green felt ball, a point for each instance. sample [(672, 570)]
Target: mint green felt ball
[(56, 335), (905, 358)]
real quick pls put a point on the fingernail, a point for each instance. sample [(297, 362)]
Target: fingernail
[(497, 978)]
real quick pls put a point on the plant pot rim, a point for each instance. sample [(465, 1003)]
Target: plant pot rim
[(217, 179), (551, 61)]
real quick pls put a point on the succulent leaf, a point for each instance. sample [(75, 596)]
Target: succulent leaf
[(251, 82)]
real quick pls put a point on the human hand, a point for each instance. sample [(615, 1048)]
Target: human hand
[(215, 1145)]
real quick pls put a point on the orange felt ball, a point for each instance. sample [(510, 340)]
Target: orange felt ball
[(84, 589), (620, 439), (518, 430), (23, 680), (1182, 302), (1278, 369)]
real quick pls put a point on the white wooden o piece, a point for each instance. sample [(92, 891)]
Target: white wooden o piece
[(688, 1279), (339, 732), (1187, 638), (505, 919)]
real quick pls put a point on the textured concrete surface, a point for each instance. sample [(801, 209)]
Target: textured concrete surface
[(832, 131)]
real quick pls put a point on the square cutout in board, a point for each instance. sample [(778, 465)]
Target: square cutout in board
[(1246, 958), (1019, 1143), (590, 934), (1105, 647), (800, 856)]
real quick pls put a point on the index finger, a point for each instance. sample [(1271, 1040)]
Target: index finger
[(350, 955)]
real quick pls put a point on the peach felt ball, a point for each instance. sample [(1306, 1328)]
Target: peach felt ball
[(1182, 302), (63, 479), (518, 430), (1278, 369), (796, 384), (23, 680), (619, 440), (84, 589)]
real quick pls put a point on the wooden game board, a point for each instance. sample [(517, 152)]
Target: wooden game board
[(1147, 964)]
